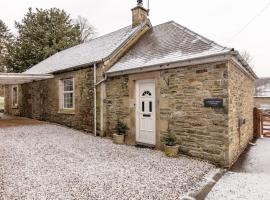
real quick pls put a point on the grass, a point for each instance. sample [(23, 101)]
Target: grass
[(1, 102)]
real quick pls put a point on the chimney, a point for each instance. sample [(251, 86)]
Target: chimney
[(139, 14)]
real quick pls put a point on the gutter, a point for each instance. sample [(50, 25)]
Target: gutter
[(180, 63), (222, 56), (95, 96), (103, 80)]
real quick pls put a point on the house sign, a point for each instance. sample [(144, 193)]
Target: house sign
[(213, 103)]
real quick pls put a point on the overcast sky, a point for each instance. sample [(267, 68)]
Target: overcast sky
[(218, 20)]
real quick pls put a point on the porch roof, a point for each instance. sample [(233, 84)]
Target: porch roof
[(18, 78)]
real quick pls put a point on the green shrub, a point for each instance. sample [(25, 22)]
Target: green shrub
[(169, 139), (121, 128)]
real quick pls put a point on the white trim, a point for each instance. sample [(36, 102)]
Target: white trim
[(62, 92)]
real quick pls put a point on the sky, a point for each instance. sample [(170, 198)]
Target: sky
[(218, 20)]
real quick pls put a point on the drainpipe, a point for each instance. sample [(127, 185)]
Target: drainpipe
[(96, 84), (102, 80), (95, 99)]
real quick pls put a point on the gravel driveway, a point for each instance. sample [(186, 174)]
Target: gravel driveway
[(53, 162)]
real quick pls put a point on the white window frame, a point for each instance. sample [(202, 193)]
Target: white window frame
[(62, 94), (12, 96)]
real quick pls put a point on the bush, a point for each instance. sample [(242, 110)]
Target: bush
[(121, 128), (169, 139)]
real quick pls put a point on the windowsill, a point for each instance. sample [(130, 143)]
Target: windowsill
[(67, 111)]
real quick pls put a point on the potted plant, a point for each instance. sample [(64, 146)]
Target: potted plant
[(170, 144), (121, 130)]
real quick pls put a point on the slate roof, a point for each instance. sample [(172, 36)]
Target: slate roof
[(86, 53), (262, 87), (167, 43)]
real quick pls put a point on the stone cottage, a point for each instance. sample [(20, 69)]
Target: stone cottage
[(155, 78)]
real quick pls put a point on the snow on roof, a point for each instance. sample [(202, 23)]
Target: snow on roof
[(262, 87), (18, 78), (86, 53), (166, 43)]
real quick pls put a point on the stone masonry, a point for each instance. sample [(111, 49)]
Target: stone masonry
[(202, 132), (2, 91), (214, 134), (241, 104), (40, 100), (206, 133)]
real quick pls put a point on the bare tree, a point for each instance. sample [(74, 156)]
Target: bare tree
[(88, 32), (247, 57)]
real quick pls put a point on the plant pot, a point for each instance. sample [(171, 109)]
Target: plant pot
[(118, 139), (171, 151)]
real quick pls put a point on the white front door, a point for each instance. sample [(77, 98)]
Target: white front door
[(146, 112)]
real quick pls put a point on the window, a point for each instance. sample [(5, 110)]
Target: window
[(14, 96), (150, 106), (67, 88), (146, 93)]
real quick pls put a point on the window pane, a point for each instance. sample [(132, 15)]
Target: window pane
[(143, 106), (150, 106), (146, 93), (68, 85), (68, 100), (15, 96)]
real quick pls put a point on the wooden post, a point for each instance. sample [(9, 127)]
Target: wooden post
[(258, 123), (261, 120)]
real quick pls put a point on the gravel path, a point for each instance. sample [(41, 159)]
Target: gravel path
[(241, 186), (54, 162), (249, 178)]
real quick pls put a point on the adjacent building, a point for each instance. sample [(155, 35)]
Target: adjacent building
[(262, 94)]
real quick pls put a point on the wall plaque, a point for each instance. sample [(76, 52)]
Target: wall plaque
[(213, 103)]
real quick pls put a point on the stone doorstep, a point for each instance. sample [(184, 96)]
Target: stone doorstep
[(211, 179)]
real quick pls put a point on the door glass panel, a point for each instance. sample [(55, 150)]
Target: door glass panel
[(150, 106), (146, 93), (143, 106)]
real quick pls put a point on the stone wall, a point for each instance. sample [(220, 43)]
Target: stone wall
[(2, 91), (9, 109), (241, 104), (117, 103), (40, 100), (202, 132)]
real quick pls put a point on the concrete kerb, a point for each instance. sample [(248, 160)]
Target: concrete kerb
[(211, 179)]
